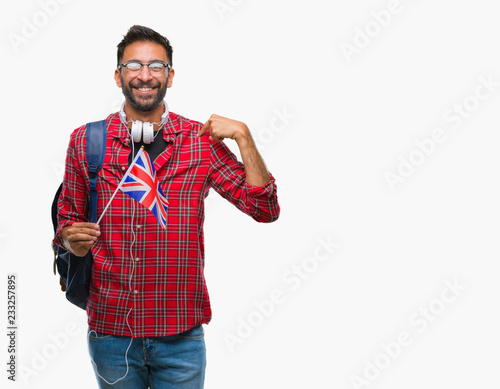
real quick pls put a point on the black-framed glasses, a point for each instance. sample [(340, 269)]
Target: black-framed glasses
[(156, 68)]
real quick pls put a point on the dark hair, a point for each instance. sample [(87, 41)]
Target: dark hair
[(143, 34)]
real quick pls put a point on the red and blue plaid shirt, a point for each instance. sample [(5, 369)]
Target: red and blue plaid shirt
[(154, 274)]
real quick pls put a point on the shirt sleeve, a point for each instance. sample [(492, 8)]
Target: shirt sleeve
[(227, 177), (73, 202)]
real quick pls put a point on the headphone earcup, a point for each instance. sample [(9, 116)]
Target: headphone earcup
[(148, 135), (136, 131)]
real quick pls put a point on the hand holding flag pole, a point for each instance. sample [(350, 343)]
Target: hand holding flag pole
[(140, 183)]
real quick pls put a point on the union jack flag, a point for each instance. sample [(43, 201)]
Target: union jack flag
[(141, 184)]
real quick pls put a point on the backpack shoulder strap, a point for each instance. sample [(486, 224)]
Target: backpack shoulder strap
[(96, 150)]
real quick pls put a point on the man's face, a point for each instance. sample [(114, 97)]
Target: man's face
[(143, 91)]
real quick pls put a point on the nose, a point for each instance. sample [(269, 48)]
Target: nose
[(144, 75)]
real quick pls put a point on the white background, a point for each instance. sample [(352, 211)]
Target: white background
[(351, 120)]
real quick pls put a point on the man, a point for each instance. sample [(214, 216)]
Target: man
[(148, 296)]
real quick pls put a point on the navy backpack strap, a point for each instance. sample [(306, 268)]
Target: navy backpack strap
[(96, 150)]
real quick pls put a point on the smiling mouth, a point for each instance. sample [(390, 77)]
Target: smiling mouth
[(144, 90)]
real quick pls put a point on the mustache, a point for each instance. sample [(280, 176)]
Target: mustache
[(141, 84)]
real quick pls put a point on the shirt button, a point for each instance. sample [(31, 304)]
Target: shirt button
[(136, 292), (137, 259), (138, 226), (123, 167)]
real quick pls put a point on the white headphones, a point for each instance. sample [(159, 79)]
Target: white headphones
[(143, 130)]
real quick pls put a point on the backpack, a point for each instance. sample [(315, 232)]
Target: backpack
[(75, 272)]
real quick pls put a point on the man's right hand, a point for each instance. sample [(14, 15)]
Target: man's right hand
[(80, 237)]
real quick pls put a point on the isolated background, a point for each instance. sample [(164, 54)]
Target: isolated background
[(349, 122)]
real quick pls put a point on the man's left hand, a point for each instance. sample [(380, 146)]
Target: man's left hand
[(220, 128)]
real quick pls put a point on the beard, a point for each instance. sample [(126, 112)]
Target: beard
[(144, 103)]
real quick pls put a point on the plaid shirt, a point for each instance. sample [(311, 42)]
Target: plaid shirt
[(155, 275)]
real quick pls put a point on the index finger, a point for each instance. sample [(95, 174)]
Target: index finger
[(205, 127), (86, 225)]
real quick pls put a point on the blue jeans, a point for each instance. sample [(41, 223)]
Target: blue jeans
[(172, 362)]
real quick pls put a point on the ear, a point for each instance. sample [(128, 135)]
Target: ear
[(170, 80), (117, 78)]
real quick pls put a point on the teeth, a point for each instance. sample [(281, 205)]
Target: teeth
[(145, 89)]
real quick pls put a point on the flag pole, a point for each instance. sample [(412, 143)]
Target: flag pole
[(120, 184)]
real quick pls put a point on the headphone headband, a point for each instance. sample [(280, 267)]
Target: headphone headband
[(164, 116)]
